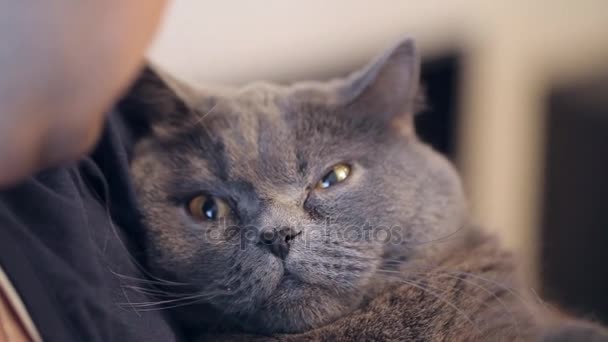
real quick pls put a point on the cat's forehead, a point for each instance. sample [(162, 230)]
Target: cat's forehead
[(273, 136), (248, 119), (241, 109), (250, 134)]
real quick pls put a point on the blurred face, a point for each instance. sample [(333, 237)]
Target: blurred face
[(63, 65)]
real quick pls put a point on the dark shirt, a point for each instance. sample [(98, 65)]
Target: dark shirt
[(68, 242)]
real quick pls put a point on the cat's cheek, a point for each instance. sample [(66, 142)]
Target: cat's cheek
[(260, 277), (211, 233), (332, 264)]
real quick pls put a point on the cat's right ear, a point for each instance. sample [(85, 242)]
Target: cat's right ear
[(386, 89), (155, 104)]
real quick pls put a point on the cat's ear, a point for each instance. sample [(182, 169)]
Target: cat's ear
[(388, 86), (155, 103)]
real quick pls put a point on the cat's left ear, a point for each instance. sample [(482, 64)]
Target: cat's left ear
[(388, 86), (156, 104)]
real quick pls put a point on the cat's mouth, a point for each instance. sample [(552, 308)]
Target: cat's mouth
[(288, 275)]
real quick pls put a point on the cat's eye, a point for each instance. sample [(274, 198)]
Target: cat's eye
[(207, 208), (338, 174)]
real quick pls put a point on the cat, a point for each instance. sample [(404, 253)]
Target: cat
[(312, 211)]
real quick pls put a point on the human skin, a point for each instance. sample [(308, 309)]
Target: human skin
[(10, 327), (63, 65)]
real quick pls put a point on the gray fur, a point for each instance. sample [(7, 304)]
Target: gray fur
[(262, 148)]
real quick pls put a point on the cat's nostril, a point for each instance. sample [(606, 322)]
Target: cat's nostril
[(278, 240), (288, 233)]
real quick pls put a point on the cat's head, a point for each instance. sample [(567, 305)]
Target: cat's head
[(279, 204)]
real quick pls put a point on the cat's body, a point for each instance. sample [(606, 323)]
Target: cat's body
[(315, 210)]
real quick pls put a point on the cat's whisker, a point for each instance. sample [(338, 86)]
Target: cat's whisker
[(539, 300), (526, 303), (195, 301), (481, 287), (166, 281), (124, 293), (153, 291), (162, 305), (511, 290), (167, 301), (446, 238), (202, 117), (494, 295), (162, 282), (107, 200)]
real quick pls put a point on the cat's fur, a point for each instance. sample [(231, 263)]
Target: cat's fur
[(388, 254)]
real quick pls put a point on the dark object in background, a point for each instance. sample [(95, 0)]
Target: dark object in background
[(437, 124), (574, 236)]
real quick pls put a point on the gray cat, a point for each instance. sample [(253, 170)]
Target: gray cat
[(313, 212)]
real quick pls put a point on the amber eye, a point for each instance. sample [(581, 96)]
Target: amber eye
[(337, 174), (207, 208)]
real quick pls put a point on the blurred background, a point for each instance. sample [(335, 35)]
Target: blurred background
[(518, 95)]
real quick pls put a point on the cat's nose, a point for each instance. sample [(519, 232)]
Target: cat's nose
[(278, 240)]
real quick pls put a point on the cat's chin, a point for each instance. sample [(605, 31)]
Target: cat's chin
[(296, 306)]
